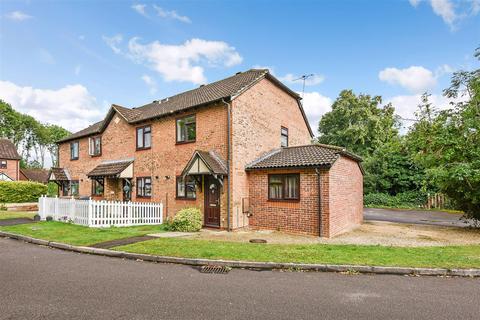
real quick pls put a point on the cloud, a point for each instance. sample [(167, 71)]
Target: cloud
[(113, 42), (452, 12), (315, 106), (171, 14), (140, 8), (151, 83), (310, 81), (416, 79), (407, 105), (18, 16), (71, 107), (184, 62)]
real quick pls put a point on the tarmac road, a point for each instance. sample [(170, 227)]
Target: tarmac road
[(42, 283)]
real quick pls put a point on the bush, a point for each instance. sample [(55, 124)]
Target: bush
[(21, 191), (409, 199), (187, 220)]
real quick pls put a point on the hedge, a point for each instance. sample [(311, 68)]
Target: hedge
[(21, 191), (409, 199)]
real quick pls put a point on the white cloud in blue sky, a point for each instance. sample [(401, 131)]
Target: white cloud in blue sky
[(452, 11), (18, 16), (184, 62)]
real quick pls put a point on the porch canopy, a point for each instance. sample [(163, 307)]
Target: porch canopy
[(58, 175), (206, 163), (113, 169)]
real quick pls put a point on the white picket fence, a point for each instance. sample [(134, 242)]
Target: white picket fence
[(100, 213)]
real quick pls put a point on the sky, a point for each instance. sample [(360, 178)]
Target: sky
[(66, 62)]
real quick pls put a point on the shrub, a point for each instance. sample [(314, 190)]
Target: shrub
[(187, 220), (21, 191), (409, 199)]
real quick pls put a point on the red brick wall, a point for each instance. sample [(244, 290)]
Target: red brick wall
[(257, 116), (341, 201), (164, 159), (12, 169), (292, 216), (346, 196)]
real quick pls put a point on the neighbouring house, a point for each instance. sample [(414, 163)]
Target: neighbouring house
[(9, 161), (239, 149), (35, 175)]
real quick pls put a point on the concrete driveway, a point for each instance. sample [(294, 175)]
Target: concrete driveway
[(43, 283), (415, 217)]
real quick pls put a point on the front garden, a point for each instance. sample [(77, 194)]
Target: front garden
[(465, 256)]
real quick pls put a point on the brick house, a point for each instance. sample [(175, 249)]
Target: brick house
[(204, 147), (9, 161)]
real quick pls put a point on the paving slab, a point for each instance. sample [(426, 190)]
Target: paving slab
[(15, 221), (121, 242)]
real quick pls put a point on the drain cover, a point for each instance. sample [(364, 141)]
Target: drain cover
[(215, 269)]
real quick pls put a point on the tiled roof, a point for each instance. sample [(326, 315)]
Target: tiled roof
[(8, 150), (109, 169), (205, 94), (38, 175), (214, 162), (315, 155), (59, 174)]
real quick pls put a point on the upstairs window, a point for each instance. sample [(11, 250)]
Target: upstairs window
[(186, 188), (95, 146), (186, 129), (3, 164), (144, 187), (284, 187), (283, 137), (144, 137), (74, 147)]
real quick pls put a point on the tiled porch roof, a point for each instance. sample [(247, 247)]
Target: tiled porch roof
[(58, 174), (315, 155), (110, 169), (214, 162)]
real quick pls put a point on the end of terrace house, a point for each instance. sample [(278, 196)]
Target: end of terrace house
[(240, 149)]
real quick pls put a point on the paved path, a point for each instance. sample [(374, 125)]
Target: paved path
[(42, 283), (12, 222), (415, 217), (121, 242)]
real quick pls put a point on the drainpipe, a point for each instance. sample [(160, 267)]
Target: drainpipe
[(229, 107), (317, 170)]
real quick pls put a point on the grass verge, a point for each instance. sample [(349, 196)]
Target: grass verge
[(16, 214), (79, 235), (432, 257)]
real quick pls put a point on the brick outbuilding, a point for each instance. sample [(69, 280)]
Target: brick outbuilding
[(195, 149), (293, 188)]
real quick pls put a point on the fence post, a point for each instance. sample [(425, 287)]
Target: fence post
[(55, 210), (90, 212)]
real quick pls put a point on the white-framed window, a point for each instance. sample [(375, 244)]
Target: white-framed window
[(95, 146)]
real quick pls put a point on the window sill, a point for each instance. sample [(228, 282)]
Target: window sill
[(186, 199), (95, 155), (73, 159), (185, 142), (144, 197), (142, 149), (283, 200)]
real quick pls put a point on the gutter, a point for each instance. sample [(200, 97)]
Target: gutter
[(317, 171), (229, 149)]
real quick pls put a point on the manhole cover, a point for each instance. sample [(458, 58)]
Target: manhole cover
[(215, 269)]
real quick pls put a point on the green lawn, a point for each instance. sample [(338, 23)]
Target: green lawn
[(79, 235), (16, 214), (445, 257)]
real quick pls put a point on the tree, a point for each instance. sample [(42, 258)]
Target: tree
[(29, 136), (358, 123), (450, 151)]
